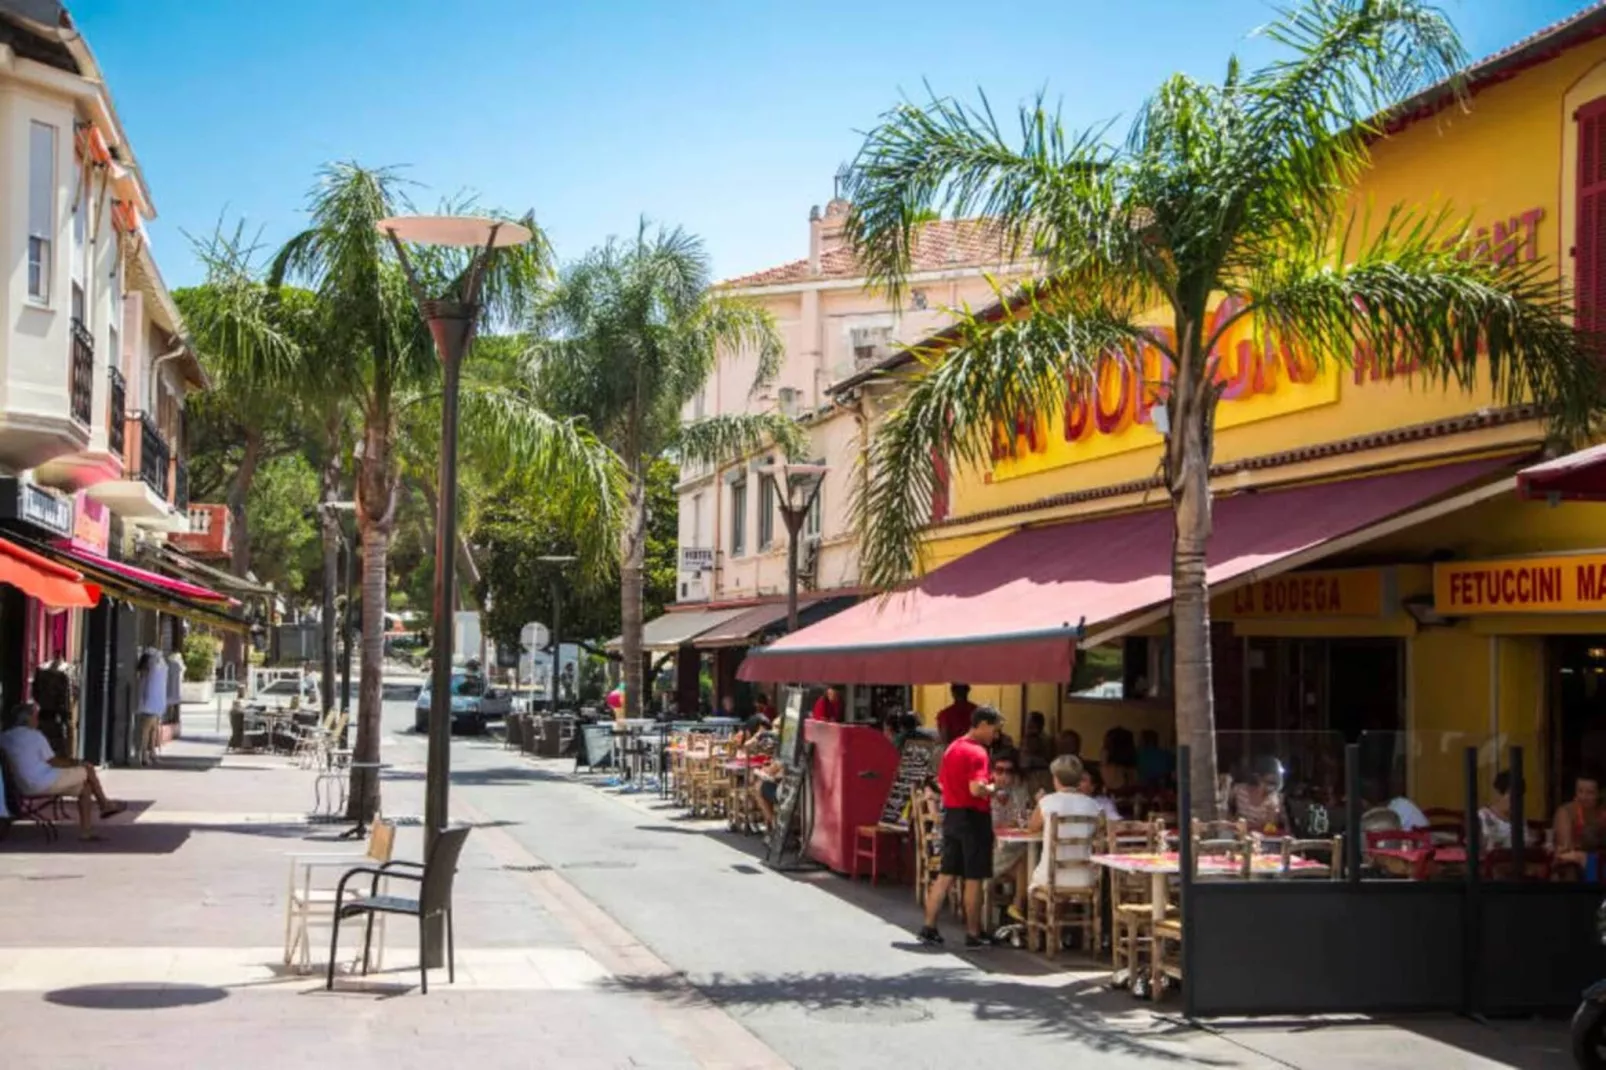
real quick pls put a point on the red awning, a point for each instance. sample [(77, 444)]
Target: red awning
[(57, 586), (192, 591), (1579, 477), (1013, 610)]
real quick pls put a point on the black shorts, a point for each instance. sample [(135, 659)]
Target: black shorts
[(967, 844), (771, 790)]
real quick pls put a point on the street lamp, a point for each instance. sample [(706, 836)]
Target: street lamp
[(792, 481), (557, 623), (451, 322)]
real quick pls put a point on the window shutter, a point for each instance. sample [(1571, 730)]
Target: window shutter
[(1589, 250)]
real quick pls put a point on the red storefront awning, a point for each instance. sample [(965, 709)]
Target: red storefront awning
[(1579, 477), (1013, 611), (179, 588), (57, 586)]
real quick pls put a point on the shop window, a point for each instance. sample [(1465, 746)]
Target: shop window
[(1589, 248), (738, 519), (1136, 669)]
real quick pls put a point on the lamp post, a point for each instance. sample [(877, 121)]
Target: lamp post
[(792, 481), (557, 623), (451, 322)]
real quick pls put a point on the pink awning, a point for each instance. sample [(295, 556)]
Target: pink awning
[(1012, 611), (1579, 476), (193, 591)]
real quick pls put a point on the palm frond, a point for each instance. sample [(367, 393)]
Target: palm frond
[(718, 439)]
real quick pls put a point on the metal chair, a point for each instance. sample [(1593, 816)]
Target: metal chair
[(434, 875)]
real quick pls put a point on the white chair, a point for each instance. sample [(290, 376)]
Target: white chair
[(311, 902)]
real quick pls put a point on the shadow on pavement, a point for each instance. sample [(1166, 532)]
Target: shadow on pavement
[(1079, 1012), (503, 776), (188, 763), (135, 996)]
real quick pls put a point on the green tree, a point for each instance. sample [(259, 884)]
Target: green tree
[(626, 340), (1239, 188), (383, 356), (515, 529)]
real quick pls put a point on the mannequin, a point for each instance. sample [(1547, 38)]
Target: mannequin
[(152, 680)]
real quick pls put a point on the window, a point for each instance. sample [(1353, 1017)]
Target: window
[(1137, 668), (811, 522), (1589, 251), (738, 518), (78, 213), (870, 344), (41, 209), (697, 521), (766, 513), (77, 302), (114, 355)]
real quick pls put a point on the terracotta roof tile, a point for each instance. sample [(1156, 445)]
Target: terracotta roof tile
[(939, 246)]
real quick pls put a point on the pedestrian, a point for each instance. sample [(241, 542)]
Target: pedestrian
[(965, 780)]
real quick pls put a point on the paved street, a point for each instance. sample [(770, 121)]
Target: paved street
[(594, 929)]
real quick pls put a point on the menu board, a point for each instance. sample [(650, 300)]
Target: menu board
[(784, 835), (917, 763), (791, 751)]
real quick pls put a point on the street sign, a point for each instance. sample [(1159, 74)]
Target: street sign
[(534, 636), (696, 559)]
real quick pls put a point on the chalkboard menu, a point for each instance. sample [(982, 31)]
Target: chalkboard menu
[(917, 763), (788, 805)]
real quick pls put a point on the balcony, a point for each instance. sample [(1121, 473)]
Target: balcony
[(83, 372), (181, 485), (211, 534), (144, 497), (114, 412)]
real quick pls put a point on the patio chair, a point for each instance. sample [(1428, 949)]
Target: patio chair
[(307, 904), (247, 735), (434, 876), (1067, 902), (42, 810), (310, 738)]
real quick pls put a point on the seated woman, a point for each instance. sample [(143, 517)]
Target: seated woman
[(766, 789), (1120, 765), (1256, 796), (1580, 826), (1494, 820), (1092, 786)]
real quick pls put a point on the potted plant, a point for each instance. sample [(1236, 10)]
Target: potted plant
[(200, 663)]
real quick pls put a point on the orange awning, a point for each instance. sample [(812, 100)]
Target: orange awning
[(57, 586)]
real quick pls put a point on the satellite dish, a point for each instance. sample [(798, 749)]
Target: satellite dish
[(534, 636)]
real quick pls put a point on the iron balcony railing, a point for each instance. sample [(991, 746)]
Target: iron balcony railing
[(181, 485), (115, 438), (153, 455), (83, 372)]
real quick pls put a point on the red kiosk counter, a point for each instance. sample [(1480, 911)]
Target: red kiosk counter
[(852, 775)]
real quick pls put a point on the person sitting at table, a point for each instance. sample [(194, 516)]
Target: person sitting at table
[(766, 789), (727, 706), (1012, 804), (39, 772), (754, 737), (762, 707), (1580, 825), (1066, 800), (1120, 759), (1092, 785), (1036, 749), (908, 728), (1070, 742), (1494, 820), (1156, 765), (1256, 796)]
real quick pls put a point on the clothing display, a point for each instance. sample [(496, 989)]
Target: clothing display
[(175, 679), (54, 691)]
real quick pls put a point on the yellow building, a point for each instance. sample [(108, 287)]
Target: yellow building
[(1416, 598)]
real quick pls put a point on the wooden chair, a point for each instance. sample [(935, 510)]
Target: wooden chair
[(1130, 837), (928, 852), (435, 877), (1065, 901), (1497, 864), (868, 841), (1447, 826), (307, 903), (1332, 847)]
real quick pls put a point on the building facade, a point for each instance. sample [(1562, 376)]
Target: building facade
[(94, 373), (733, 543), (1379, 577)]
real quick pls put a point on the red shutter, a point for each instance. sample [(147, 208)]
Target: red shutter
[(1589, 250)]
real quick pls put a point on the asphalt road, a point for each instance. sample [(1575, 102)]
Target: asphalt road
[(812, 965)]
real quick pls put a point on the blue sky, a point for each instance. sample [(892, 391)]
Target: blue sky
[(727, 117)]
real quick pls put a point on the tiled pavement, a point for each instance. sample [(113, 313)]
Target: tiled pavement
[(179, 914)]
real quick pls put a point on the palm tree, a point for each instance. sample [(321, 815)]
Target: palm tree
[(1238, 188), (385, 360), (627, 339)]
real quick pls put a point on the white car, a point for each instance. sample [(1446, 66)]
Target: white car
[(475, 704)]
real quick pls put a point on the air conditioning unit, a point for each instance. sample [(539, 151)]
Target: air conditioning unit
[(870, 345), (790, 401)]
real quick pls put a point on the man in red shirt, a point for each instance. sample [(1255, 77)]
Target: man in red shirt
[(967, 825), (828, 707), (954, 720)]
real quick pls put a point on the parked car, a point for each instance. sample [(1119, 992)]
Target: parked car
[(475, 704)]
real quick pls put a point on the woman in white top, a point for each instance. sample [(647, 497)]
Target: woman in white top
[(1494, 820), (1072, 868)]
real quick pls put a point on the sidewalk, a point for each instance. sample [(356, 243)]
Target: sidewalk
[(179, 913)]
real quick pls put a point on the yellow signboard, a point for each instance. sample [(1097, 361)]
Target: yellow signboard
[(1261, 378), (1347, 593), (1569, 583)]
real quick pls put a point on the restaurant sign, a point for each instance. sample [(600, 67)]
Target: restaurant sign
[(1566, 583), (1344, 593)]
